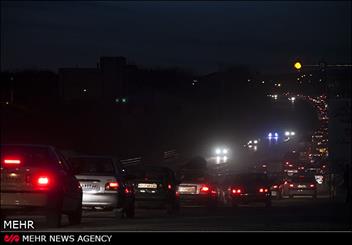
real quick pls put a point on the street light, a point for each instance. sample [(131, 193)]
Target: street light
[(298, 65)]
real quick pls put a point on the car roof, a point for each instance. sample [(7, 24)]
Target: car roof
[(93, 156), (29, 145)]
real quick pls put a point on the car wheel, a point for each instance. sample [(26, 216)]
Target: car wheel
[(130, 210), (54, 212), (53, 218), (75, 217)]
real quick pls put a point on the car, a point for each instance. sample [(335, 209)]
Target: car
[(276, 190), (302, 185), (38, 180), (155, 187), (104, 184), (197, 189), (246, 188)]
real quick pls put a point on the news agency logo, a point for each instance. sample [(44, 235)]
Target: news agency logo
[(12, 238)]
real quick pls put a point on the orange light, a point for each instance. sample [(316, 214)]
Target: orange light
[(298, 65)]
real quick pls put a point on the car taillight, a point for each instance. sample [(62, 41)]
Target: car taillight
[(261, 190), (312, 186), (169, 186), (127, 191), (275, 186), (11, 162), (111, 186), (291, 185), (236, 191), (204, 189), (43, 181)]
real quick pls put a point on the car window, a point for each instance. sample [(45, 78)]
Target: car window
[(29, 156), (93, 166)]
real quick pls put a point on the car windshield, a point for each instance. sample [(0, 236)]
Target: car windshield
[(303, 179), (250, 179), (193, 176), (29, 156), (92, 166), (149, 174)]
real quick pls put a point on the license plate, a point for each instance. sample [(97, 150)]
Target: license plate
[(273, 193), (187, 189), (147, 185), (88, 187), (302, 186)]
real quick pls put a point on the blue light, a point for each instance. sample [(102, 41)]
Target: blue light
[(276, 135), (270, 135)]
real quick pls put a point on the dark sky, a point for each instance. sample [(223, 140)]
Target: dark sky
[(197, 35)]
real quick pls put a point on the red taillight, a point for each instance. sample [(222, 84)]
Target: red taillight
[(204, 189), (43, 181), (236, 191), (312, 186), (127, 190), (111, 186), (275, 186), (291, 185), (11, 162), (169, 186), (261, 190)]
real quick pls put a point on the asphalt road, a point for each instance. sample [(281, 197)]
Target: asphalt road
[(299, 214)]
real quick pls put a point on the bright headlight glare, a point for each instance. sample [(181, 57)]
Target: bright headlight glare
[(225, 151)]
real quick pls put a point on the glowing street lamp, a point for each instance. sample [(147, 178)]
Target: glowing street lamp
[(298, 65)]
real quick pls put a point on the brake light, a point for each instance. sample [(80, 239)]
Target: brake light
[(11, 162), (169, 186), (312, 185), (111, 186), (236, 191), (275, 186), (291, 185), (204, 189), (261, 190), (43, 181), (127, 191)]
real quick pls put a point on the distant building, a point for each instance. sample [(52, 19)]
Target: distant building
[(106, 82)]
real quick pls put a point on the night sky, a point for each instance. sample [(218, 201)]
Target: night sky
[(202, 36)]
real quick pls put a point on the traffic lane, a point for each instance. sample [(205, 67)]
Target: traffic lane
[(285, 215)]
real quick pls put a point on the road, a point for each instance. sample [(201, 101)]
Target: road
[(299, 214)]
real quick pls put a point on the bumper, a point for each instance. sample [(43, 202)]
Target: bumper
[(247, 198), (196, 200), (23, 200), (104, 200), (151, 200), (302, 192)]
